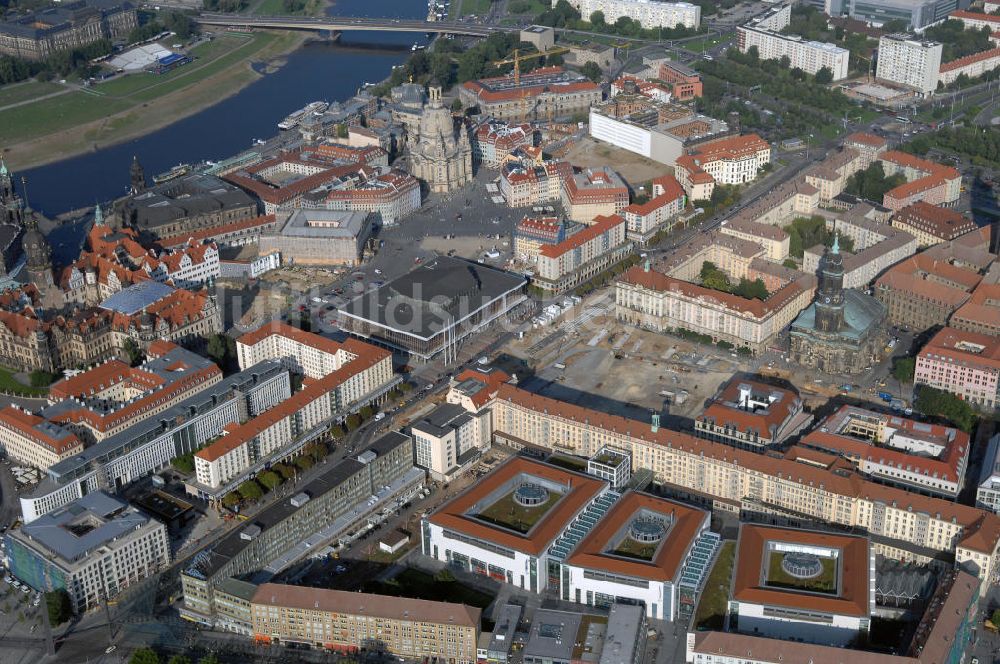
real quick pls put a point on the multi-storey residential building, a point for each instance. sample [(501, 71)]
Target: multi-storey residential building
[(649, 13), (751, 415), (901, 524), (809, 56), (526, 184), (773, 239), (627, 84), (152, 443), (582, 255), (344, 377), (732, 255), (943, 634), (644, 220), (93, 548), (593, 193), (39, 34), (549, 92), (877, 247), (473, 388), (869, 146), (781, 204), (324, 509), (927, 458), (448, 438), (925, 181), (976, 20), (30, 440), (659, 302), (931, 224), (981, 312), (639, 550), (973, 65), (988, 484), (965, 364), (533, 233), (766, 598), (113, 396), (348, 621), (493, 142), (732, 160), (831, 175), (909, 61)]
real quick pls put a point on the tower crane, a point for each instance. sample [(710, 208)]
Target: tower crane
[(517, 59)]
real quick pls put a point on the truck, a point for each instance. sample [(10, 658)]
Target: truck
[(885, 396)]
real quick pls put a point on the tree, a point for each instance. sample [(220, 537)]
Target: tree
[(366, 412), (895, 25), (217, 349), (592, 71), (785, 62), (353, 421), (179, 659), (456, 105), (789, 263), (231, 499), (824, 76), (250, 490), (597, 19), (285, 471), (144, 656), (59, 606), (210, 658), (445, 575), (304, 462), (132, 352), (933, 402), (269, 479), (903, 369)]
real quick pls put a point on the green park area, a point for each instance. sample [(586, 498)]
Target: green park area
[(507, 513), (442, 587), (824, 582), (629, 548), (9, 384), (711, 612), (16, 93)]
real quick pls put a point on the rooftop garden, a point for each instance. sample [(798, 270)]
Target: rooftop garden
[(825, 582), (507, 513)]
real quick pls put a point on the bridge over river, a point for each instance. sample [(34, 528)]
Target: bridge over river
[(341, 24)]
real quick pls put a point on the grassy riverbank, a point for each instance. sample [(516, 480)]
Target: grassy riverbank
[(87, 119)]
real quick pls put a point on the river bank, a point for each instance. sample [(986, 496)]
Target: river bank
[(229, 75)]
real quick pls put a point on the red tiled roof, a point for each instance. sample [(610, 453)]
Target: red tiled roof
[(601, 225), (970, 59), (25, 424), (726, 410), (865, 138)]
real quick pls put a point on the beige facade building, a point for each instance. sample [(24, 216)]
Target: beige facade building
[(659, 302), (773, 239), (440, 156), (319, 237), (448, 438), (30, 440), (903, 524), (59, 27), (348, 621), (593, 193), (582, 255)]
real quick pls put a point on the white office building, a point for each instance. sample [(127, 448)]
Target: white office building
[(988, 493), (809, 56), (909, 61)]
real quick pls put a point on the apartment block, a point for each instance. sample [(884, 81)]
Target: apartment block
[(926, 180), (931, 224), (909, 61), (348, 621), (592, 193), (751, 415), (981, 312), (731, 160), (29, 440), (449, 438), (525, 184), (809, 56), (582, 255), (649, 13), (922, 292), (643, 220)]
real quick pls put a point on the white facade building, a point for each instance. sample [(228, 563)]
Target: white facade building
[(988, 493), (809, 56), (909, 61), (649, 13)]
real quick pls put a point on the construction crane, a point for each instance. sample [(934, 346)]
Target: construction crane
[(517, 58)]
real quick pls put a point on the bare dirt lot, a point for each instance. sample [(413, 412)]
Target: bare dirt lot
[(635, 169)]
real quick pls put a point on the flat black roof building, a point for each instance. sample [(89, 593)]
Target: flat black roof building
[(432, 308)]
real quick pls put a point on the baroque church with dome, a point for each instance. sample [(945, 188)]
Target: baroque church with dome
[(842, 331), (440, 156)]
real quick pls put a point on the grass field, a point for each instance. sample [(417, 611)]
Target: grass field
[(119, 95), (826, 582), (632, 549), (474, 7), (711, 613), (8, 383), (507, 513), (420, 585), (18, 92), (703, 44)]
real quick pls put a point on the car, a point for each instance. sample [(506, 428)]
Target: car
[(110, 649), (340, 569), (25, 589), (379, 417)]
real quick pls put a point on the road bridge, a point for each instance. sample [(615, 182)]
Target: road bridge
[(341, 24)]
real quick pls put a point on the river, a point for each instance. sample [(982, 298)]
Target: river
[(318, 70)]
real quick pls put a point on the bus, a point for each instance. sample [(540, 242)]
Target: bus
[(902, 120)]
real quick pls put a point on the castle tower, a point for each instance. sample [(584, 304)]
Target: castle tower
[(37, 252), (830, 294), (10, 202), (137, 177)]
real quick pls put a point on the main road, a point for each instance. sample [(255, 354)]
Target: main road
[(340, 24)]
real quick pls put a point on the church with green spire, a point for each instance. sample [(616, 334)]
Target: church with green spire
[(843, 330)]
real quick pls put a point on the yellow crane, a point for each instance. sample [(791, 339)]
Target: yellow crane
[(517, 58)]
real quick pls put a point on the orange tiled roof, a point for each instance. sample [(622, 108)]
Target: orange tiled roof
[(26, 424), (970, 59), (601, 225)]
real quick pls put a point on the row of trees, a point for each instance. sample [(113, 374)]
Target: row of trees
[(153, 24), (956, 41), (268, 480), (811, 23), (60, 63), (938, 403), (981, 144), (872, 183), (149, 656)]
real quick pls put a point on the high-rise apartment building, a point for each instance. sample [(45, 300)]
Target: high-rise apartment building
[(909, 61)]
